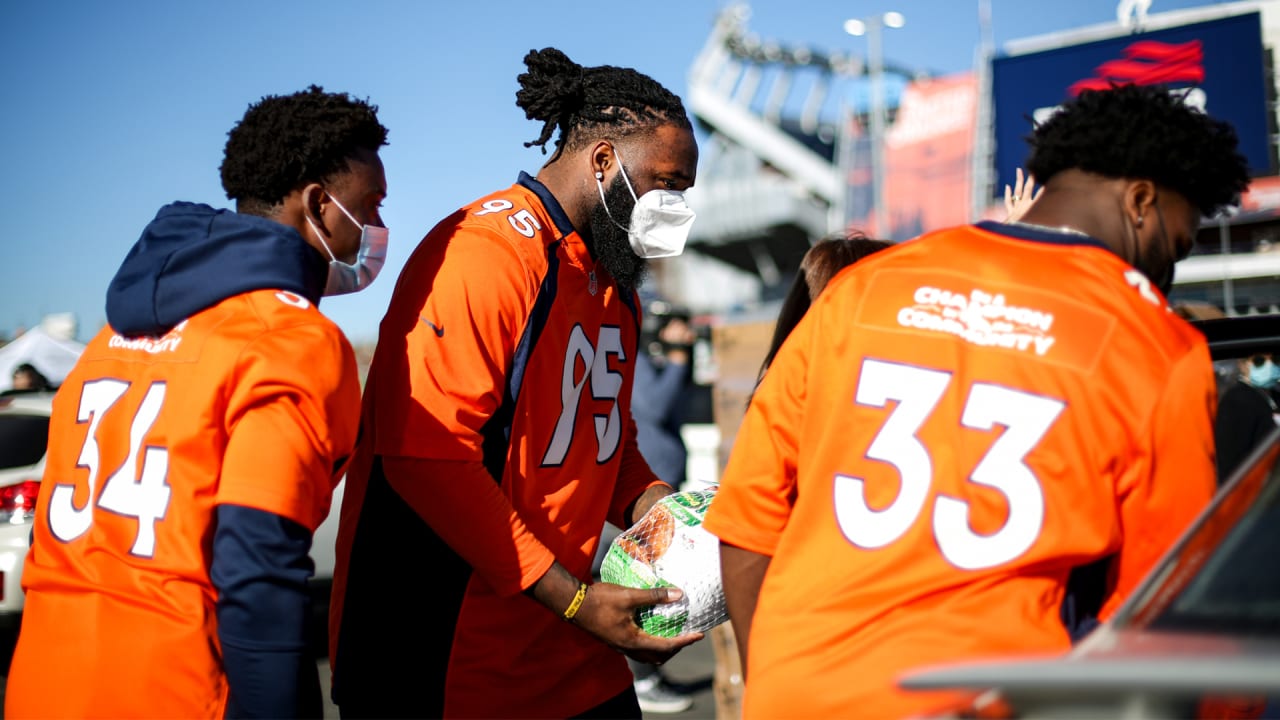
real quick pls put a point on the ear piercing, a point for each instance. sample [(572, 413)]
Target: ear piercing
[(1139, 221), (599, 175)]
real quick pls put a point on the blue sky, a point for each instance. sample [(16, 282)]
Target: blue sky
[(113, 109)]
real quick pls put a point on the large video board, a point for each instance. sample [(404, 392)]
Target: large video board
[(1218, 65)]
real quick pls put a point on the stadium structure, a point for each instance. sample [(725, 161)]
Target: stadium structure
[(787, 149)]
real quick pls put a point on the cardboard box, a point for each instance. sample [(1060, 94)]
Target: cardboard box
[(739, 349)]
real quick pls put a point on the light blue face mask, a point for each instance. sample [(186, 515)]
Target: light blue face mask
[(347, 277), (1266, 375)]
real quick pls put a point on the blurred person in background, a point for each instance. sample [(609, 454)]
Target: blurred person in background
[(194, 448), (961, 421), (1247, 412), (659, 403), (26, 378)]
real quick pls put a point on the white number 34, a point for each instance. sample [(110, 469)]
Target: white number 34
[(1026, 419), (133, 490)]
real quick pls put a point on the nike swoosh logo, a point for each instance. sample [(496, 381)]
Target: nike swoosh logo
[(439, 329)]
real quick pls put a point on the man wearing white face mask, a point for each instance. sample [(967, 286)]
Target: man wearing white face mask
[(497, 436), (195, 446)]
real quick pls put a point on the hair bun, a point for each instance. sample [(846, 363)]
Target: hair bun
[(552, 86)]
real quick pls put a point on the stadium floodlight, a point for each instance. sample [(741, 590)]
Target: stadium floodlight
[(871, 26)]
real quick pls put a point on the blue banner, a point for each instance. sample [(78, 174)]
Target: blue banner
[(1219, 63)]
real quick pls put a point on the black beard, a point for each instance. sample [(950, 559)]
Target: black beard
[(609, 242), (1156, 261)]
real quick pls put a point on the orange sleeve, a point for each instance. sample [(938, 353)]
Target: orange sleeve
[(291, 424), (466, 508), (634, 477), (1168, 486), (446, 343), (757, 489)]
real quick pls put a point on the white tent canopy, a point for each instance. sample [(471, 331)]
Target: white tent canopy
[(52, 356)]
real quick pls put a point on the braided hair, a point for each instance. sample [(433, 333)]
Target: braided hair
[(585, 102)]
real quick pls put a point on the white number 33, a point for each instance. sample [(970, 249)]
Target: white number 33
[(917, 391)]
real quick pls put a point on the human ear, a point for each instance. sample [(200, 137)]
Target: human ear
[(1139, 201), (601, 158), (314, 200)]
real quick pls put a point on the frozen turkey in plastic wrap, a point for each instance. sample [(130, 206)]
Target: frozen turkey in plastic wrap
[(668, 547)]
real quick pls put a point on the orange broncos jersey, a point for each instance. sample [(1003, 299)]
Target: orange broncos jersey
[(503, 345), (955, 425), (253, 402)]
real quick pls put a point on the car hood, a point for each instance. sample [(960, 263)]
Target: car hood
[(1126, 660)]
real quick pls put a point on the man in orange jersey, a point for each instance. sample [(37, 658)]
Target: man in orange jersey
[(497, 438), (194, 448), (963, 421)]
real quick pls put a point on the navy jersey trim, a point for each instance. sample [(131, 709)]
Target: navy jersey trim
[(1047, 235), (557, 213), (497, 430), (383, 612), (629, 299), (1087, 589)]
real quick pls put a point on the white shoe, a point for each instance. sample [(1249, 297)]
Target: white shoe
[(656, 696)]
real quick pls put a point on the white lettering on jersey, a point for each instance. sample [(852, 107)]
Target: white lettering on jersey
[(606, 385), (136, 490), (168, 343), (1139, 282), (912, 395), (522, 221), (980, 318)]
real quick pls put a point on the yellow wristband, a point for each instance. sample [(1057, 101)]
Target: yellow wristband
[(577, 602)]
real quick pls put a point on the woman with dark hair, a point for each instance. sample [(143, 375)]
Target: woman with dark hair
[(821, 263)]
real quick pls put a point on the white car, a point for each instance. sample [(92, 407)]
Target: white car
[(24, 437)]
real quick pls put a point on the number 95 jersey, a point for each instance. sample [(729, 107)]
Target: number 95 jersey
[(251, 402)]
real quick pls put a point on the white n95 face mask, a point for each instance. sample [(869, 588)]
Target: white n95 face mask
[(660, 220), (345, 278)]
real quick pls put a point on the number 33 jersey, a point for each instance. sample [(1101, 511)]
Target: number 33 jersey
[(956, 424), (252, 402)]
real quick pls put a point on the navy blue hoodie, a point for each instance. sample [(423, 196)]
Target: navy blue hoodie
[(189, 258)]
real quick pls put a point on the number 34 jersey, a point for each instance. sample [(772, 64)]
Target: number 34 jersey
[(251, 402), (956, 424)]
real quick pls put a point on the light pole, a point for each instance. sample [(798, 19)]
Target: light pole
[(872, 28)]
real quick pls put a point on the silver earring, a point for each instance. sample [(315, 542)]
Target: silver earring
[(599, 175), (1139, 221)]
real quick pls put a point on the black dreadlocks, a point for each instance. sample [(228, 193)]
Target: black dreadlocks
[(581, 102)]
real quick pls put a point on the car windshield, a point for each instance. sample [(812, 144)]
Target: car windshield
[(23, 439), (1222, 577)]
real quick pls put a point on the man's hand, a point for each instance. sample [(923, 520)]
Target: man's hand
[(609, 613)]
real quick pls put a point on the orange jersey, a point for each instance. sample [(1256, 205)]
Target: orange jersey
[(504, 350), (956, 424), (251, 402)]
